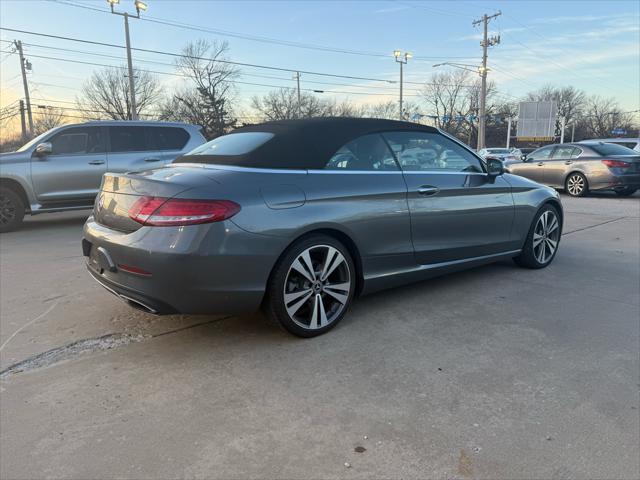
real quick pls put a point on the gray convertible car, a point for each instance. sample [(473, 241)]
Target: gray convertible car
[(300, 217)]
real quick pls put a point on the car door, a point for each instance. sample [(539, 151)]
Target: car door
[(558, 165), (72, 172), (457, 211), (130, 150), (533, 167)]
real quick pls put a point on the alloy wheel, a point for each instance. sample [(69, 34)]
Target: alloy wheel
[(7, 210), (317, 287), (576, 185), (546, 236)]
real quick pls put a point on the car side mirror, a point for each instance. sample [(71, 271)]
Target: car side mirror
[(43, 149), (494, 167), (523, 158)]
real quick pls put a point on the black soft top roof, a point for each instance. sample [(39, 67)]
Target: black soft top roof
[(303, 144)]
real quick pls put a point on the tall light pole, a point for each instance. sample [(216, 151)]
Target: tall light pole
[(485, 44), (402, 59), (140, 6), (24, 66), (296, 77)]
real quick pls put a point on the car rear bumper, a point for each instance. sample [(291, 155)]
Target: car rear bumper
[(614, 182), (199, 269)]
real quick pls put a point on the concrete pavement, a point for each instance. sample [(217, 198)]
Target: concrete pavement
[(498, 372)]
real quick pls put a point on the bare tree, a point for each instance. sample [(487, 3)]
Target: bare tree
[(601, 116), (106, 94), (208, 101), (283, 104), (48, 118)]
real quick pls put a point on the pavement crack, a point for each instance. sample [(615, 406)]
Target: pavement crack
[(593, 226), (88, 345)]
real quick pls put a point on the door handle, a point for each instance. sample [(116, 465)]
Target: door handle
[(427, 190), (568, 162), (152, 159), (540, 164), (96, 162)]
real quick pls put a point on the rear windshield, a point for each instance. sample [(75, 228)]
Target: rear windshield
[(498, 150), (611, 149), (232, 144)]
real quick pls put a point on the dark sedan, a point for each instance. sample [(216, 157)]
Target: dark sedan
[(300, 217), (582, 167)]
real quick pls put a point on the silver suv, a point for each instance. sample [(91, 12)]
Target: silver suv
[(62, 168)]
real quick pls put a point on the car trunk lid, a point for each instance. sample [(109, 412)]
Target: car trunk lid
[(120, 191)]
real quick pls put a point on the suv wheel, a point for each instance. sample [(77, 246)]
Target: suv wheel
[(312, 286), (11, 210)]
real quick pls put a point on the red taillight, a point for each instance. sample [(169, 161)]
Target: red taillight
[(616, 164), (134, 270), (158, 211)]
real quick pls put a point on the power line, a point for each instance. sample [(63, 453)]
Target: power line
[(250, 37)]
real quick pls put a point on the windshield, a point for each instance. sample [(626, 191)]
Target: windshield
[(233, 144), (33, 142), (611, 149)]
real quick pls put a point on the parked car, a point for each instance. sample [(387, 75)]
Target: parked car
[(632, 143), (62, 168), (302, 216), (583, 167), (502, 154)]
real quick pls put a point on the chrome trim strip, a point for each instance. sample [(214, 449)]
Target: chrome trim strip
[(233, 168), (432, 266), (354, 172)]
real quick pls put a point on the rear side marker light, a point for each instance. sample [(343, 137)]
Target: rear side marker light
[(134, 270), (157, 211), (616, 164)]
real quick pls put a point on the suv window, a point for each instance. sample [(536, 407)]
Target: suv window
[(566, 152), (128, 139), (167, 138), (369, 152), (541, 154), (75, 141), (431, 151)]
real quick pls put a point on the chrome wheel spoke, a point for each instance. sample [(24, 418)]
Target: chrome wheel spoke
[(290, 297), (537, 238), (553, 226), (333, 261), (319, 315), (293, 309), (339, 291), (304, 266)]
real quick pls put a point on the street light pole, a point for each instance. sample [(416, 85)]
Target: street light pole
[(485, 43), (132, 87), (296, 77), (401, 58)]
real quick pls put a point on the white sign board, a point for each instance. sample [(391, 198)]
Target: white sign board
[(537, 120)]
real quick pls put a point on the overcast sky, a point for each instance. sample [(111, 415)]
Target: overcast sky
[(592, 45)]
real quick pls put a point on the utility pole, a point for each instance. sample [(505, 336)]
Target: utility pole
[(485, 44), (573, 130), (562, 127), (23, 122), (23, 70), (402, 59), (508, 131), (132, 89), (296, 77)]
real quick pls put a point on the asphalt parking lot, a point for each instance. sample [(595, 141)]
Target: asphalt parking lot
[(498, 372)]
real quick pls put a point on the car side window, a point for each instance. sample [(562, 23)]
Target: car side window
[(431, 151), (562, 153), (167, 138), (369, 152), (128, 139), (76, 141), (541, 154)]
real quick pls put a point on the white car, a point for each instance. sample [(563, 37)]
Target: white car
[(502, 154)]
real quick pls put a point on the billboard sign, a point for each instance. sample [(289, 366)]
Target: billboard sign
[(537, 121)]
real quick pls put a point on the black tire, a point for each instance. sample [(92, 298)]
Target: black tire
[(576, 185), (11, 210), (627, 192), (286, 277), (529, 257)]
